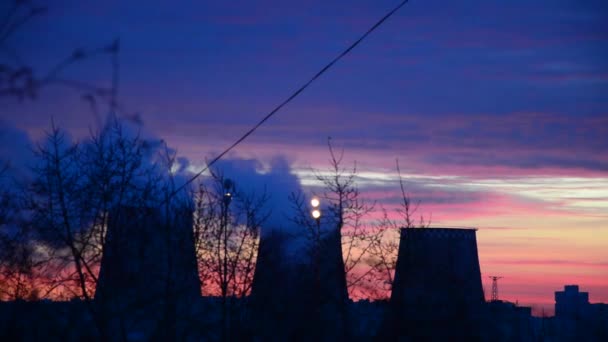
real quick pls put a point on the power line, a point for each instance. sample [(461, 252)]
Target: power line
[(290, 98)]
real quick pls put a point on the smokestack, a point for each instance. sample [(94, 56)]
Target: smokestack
[(149, 263), (437, 292)]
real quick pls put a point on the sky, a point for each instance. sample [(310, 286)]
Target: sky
[(497, 111)]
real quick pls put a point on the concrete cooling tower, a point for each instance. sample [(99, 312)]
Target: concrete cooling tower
[(148, 265), (437, 292), (294, 298)]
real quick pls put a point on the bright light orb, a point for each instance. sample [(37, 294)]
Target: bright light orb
[(315, 202), (316, 213)]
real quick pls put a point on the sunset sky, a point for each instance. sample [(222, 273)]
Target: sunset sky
[(496, 110)]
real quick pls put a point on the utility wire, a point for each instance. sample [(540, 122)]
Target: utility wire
[(290, 98)]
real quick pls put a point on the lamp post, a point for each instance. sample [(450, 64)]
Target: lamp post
[(228, 188), (316, 215), (316, 212)]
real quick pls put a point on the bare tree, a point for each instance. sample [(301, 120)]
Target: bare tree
[(21, 80), (74, 188), (344, 213), (227, 227), (347, 211), (16, 254), (337, 244), (61, 173), (57, 211), (369, 249), (384, 243), (227, 235)]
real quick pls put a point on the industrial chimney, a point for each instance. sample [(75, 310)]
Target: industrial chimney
[(437, 292)]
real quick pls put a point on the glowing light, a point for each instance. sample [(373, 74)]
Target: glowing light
[(315, 202), (316, 214)]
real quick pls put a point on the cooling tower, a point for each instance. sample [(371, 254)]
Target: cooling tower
[(148, 269), (277, 302), (437, 292), (295, 296)]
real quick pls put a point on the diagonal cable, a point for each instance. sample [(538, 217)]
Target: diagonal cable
[(290, 98)]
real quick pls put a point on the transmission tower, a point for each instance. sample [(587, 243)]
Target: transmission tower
[(494, 287)]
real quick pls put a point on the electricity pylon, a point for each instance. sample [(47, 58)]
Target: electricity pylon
[(494, 287)]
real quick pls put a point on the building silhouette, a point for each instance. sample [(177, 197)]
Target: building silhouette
[(571, 303), (576, 318)]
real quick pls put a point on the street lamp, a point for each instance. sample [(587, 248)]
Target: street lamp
[(316, 211), (316, 214), (228, 187)]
